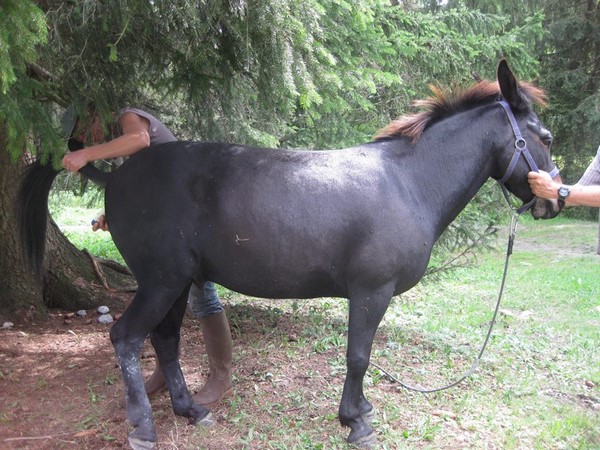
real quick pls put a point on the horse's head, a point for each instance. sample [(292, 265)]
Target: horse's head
[(525, 146)]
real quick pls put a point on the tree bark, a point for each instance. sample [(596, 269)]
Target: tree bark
[(20, 289), (71, 281), (68, 281)]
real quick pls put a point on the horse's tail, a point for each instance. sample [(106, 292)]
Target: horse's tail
[(32, 211), (32, 207)]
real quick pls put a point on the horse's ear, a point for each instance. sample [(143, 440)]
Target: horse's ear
[(509, 87)]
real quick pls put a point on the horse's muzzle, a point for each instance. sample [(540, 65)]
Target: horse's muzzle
[(546, 209)]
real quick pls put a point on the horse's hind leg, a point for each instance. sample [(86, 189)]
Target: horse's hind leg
[(366, 311), (165, 339), (146, 311)]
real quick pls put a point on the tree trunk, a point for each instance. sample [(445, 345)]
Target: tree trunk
[(75, 279), (20, 290), (69, 279)]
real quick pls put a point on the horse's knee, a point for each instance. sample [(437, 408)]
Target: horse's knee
[(121, 333), (357, 363), (116, 333), (127, 347), (117, 339)]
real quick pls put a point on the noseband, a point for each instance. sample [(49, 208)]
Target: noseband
[(520, 149)]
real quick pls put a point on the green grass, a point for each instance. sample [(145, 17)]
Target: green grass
[(543, 358), (74, 215), (537, 386)]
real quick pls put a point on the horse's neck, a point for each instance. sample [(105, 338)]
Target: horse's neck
[(453, 171)]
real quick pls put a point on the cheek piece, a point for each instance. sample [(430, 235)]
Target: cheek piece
[(520, 150)]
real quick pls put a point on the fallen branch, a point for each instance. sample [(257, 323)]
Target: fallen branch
[(120, 268), (52, 436), (97, 269)]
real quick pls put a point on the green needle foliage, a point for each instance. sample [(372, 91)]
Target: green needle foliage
[(316, 73), (293, 73)]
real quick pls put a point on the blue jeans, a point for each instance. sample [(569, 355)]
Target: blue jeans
[(204, 302)]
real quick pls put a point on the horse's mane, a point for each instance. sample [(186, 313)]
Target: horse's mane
[(444, 103)]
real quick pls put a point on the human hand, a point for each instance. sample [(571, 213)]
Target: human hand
[(74, 161), (542, 184), (99, 223)]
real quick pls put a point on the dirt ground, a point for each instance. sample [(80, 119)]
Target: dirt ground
[(60, 386)]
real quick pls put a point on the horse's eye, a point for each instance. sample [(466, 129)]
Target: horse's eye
[(544, 134), (546, 137)]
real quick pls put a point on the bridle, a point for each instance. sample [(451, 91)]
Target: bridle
[(520, 149)]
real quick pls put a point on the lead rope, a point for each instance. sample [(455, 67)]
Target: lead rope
[(511, 241)]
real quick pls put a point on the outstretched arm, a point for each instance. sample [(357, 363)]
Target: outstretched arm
[(134, 138), (544, 186)]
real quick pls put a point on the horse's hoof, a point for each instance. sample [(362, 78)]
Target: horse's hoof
[(365, 438), (366, 442), (207, 421), (139, 444), (369, 445)]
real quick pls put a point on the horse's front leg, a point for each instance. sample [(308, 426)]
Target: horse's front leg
[(366, 311)]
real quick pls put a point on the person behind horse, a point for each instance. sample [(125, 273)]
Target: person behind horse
[(586, 192), (137, 129)]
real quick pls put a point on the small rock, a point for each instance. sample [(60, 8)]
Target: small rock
[(103, 310), (8, 325), (68, 321), (81, 313), (105, 318), (69, 315)]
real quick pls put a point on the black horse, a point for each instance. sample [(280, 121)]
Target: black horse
[(357, 223)]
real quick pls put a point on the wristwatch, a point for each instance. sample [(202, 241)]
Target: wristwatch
[(563, 193)]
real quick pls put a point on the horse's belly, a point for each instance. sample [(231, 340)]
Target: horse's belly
[(293, 264), (265, 271), (272, 285)]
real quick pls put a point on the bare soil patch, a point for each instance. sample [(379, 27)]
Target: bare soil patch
[(60, 386)]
